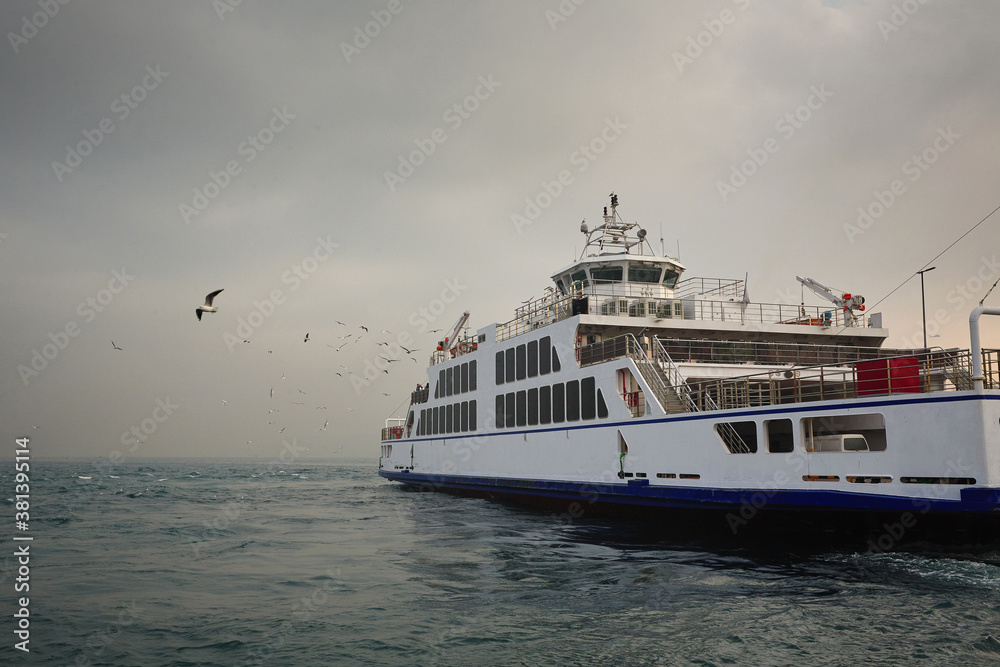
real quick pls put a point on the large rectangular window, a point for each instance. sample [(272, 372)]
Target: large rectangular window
[(544, 361), (449, 418), (533, 358), (558, 403), (439, 389), (434, 421), (545, 405), (500, 367), (533, 407), (522, 408), (456, 417), (472, 415), (510, 365), (465, 416), (499, 411), (588, 407), (472, 375), (521, 359), (572, 400), (511, 416), (465, 378), (449, 378)]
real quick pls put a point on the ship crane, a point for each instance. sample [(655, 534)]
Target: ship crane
[(844, 300), (451, 340)]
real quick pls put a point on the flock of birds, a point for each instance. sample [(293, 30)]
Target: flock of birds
[(208, 307)]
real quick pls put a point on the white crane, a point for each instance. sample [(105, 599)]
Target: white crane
[(844, 300)]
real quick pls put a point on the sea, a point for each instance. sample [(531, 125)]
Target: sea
[(243, 562)]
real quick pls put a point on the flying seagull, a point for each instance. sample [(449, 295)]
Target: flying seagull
[(207, 308), (114, 346), (307, 338), (364, 327)]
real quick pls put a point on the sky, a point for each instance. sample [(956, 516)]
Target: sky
[(391, 164)]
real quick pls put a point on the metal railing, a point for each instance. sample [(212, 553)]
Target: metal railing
[(393, 429), (723, 287), (624, 301)]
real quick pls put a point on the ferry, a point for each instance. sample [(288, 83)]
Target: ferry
[(628, 388)]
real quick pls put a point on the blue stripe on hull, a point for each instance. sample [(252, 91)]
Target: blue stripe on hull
[(638, 493)]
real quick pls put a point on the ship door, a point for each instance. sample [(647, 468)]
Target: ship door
[(622, 452)]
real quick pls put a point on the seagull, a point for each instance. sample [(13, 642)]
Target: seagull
[(387, 359), (340, 323), (345, 337), (207, 308), (339, 374), (223, 402), (386, 331), (324, 425), (338, 349), (409, 351), (114, 346), (351, 409), (272, 392), (282, 429), (307, 338), (364, 327), (435, 330)]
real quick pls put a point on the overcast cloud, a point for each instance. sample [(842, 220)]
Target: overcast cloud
[(269, 149)]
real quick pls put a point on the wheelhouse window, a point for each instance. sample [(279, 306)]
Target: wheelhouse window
[(670, 278), (643, 273), (607, 274), (580, 276), (561, 286)]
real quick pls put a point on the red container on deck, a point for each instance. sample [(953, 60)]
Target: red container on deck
[(889, 376)]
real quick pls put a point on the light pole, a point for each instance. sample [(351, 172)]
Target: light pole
[(923, 308)]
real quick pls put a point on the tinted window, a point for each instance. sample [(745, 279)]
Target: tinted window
[(556, 367), (607, 274), (558, 403), (449, 378), (533, 358), (532, 407), (510, 365), (572, 400), (472, 415), (472, 375), (511, 416), (449, 418), (499, 411), (465, 378), (456, 417), (521, 363), (602, 407), (465, 416), (499, 369), (643, 274), (588, 408), (522, 408), (544, 362), (545, 405)]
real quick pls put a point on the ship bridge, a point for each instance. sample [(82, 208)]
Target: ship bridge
[(618, 260)]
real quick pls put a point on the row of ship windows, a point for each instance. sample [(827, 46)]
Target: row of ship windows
[(453, 418), (555, 404), (528, 360), (455, 380)]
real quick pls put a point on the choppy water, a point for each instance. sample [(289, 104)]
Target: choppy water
[(229, 563)]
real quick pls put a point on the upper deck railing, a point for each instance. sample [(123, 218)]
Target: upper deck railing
[(629, 300), (841, 372)]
